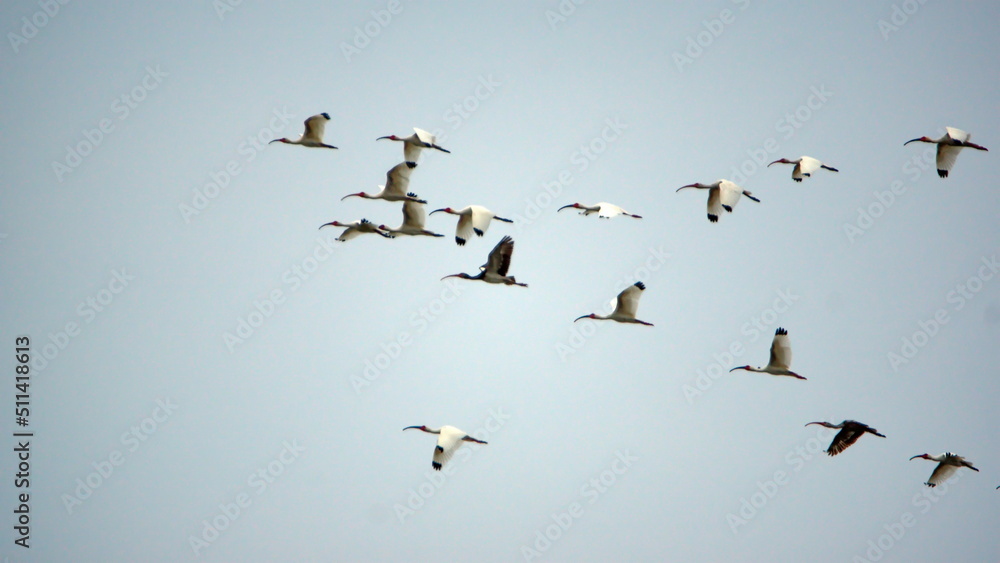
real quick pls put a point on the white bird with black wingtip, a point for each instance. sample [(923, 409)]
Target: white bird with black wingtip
[(948, 464), (948, 147), (625, 307), (449, 440), (413, 144), (313, 135), (781, 357), (471, 219), (722, 194)]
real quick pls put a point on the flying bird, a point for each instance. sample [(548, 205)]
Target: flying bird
[(313, 135), (355, 228), (474, 218), (449, 440), (781, 357), (850, 431), (948, 464), (948, 147), (420, 139), (413, 219), (804, 166), (722, 194), (603, 209), (625, 308), (496, 266), (397, 180)]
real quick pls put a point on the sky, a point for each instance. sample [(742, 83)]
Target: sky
[(213, 378)]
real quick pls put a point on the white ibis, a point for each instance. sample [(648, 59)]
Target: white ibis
[(850, 431), (397, 180), (781, 357), (496, 266), (722, 194), (804, 166), (413, 220), (947, 148), (948, 464), (625, 308), (355, 228), (603, 209), (313, 135), (449, 440), (474, 218), (420, 139)]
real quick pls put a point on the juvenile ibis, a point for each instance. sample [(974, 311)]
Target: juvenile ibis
[(948, 147), (781, 357), (625, 308), (313, 135), (397, 180), (449, 440), (355, 228), (948, 464), (474, 218), (722, 194), (804, 166), (603, 209), (850, 431), (420, 139), (496, 266)]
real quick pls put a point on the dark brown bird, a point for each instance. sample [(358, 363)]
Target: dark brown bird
[(850, 431)]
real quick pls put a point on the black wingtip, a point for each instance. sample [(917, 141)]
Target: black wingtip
[(326, 115), (640, 285), (411, 164), (478, 232), (436, 466), (780, 331), (713, 218), (943, 174), (439, 448), (460, 241), (727, 208), (797, 179)]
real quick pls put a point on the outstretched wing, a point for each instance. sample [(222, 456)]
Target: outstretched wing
[(413, 213), (946, 155), (781, 350), (714, 205), (957, 134), (942, 473), (397, 179), (628, 299), (499, 260), (847, 436), (315, 127), (447, 443), (608, 210), (807, 165), (729, 195), (481, 218)]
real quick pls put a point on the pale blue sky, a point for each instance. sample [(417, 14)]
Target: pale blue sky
[(599, 105)]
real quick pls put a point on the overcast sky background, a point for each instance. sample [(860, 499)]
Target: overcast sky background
[(515, 91)]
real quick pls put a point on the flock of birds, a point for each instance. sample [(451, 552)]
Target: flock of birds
[(722, 195)]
